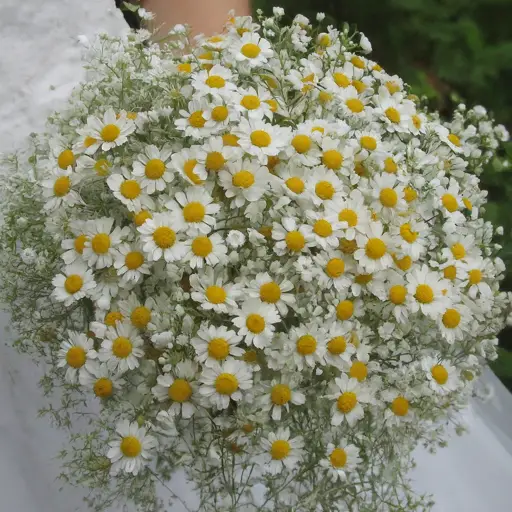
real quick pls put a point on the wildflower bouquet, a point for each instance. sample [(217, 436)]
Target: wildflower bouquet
[(262, 259)]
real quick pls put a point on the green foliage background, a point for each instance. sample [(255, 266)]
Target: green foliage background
[(448, 51)]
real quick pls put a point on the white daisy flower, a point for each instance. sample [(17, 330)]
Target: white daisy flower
[(75, 283), (58, 191), (427, 292), (205, 250), (280, 451), (213, 292), (129, 191), (349, 395), (342, 458), (441, 375), (216, 344), (412, 240), (88, 167), (193, 120), (454, 322), (255, 321), (323, 185), (139, 313), (244, 180), (339, 349), (75, 354), (108, 132), (222, 383), (351, 212), (131, 264), (180, 387), (475, 272), (277, 395), (215, 81), (99, 379), (332, 271), (252, 50), (324, 231), (303, 147), (132, 450), (399, 408), (290, 238), (102, 241), (306, 345), (261, 139), (272, 291), (213, 155), (160, 238), (74, 247), (154, 169), (185, 162), (193, 211), (294, 182), (388, 195), (252, 103), (374, 246), (397, 294), (122, 348)]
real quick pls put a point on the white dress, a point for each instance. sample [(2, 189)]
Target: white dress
[(39, 65)]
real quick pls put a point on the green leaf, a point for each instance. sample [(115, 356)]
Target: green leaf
[(131, 7), (502, 367)]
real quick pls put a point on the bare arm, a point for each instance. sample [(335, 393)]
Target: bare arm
[(204, 16)]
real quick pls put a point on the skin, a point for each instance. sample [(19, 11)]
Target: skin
[(204, 16)]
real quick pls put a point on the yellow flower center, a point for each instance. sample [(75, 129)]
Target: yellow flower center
[(416, 121), (133, 260), (301, 143), (255, 323), (324, 97), (250, 102), (306, 345), (79, 243), (390, 165), (73, 283), (449, 202), (347, 246), (130, 189), (61, 186), (337, 345), (467, 203), (103, 387), (332, 159), (194, 212), (215, 294), (243, 179), (450, 272), (270, 292), (281, 394), (335, 267), (280, 449), (439, 374), (410, 194), (113, 317), (388, 197), (100, 243), (368, 143), (341, 80), (65, 159), (180, 391), (89, 141), (295, 241), (397, 294), (130, 446), (363, 278), (220, 113), (424, 294), (226, 384), (141, 217), (407, 234), (140, 317), (75, 357), (202, 246), (322, 228), (215, 161), (354, 105), (295, 184), (375, 248), (155, 169), (250, 50), (393, 115), (360, 86), (404, 263), (451, 318), (261, 138), (218, 348), (102, 167), (215, 82), (454, 139), (164, 237), (185, 67), (400, 406), (344, 310), (358, 371), (357, 62), (122, 347), (458, 251), (196, 119), (338, 458), (250, 356), (324, 190), (188, 169), (392, 87), (348, 216), (110, 132), (346, 402), (475, 276), (272, 104)]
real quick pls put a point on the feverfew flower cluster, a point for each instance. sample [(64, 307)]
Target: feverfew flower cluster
[(265, 260)]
